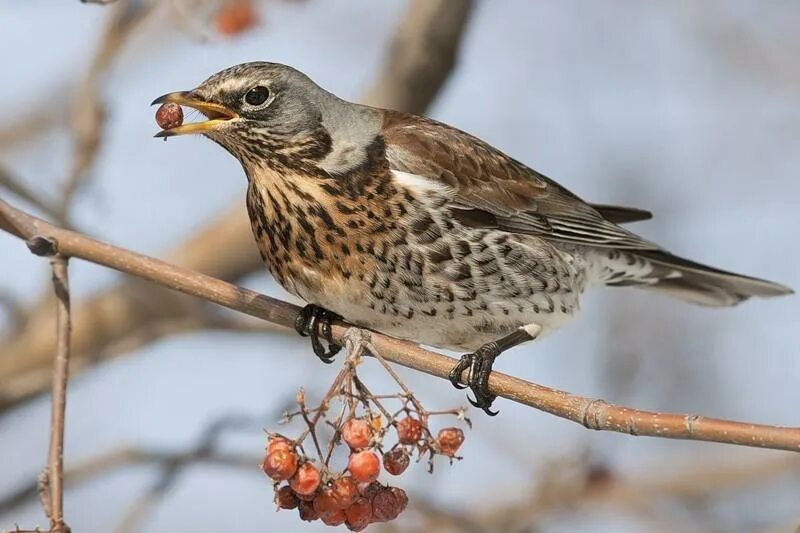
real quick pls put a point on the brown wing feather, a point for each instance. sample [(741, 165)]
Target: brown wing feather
[(493, 190), (622, 215)]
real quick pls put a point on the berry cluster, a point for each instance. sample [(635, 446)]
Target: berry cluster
[(351, 494)]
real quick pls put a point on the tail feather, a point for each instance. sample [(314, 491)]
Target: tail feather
[(687, 280)]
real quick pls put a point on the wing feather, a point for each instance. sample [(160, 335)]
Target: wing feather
[(490, 189)]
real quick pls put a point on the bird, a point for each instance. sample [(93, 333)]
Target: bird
[(410, 227)]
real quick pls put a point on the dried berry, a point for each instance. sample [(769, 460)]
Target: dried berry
[(409, 430), (449, 441), (306, 497), (359, 515), (280, 464), (285, 498), (324, 502), (385, 506), (369, 489), (356, 433), (306, 480), (278, 443), (344, 491), (396, 461), (169, 115), (306, 511), (402, 497), (364, 466), (333, 518)]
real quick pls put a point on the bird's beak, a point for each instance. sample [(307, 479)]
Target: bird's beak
[(217, 114)]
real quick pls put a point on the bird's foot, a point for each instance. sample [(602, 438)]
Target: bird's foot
[(315, 322), (479, 364)]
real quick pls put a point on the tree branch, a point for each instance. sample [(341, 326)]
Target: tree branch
[(422, 54), (591, 413), (51, 479)]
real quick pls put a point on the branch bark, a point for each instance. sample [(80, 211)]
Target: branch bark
[(55, 463), (591, 413), (224, 248)]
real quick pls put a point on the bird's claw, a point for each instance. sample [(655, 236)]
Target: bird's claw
[(315, 322), (480, 366)]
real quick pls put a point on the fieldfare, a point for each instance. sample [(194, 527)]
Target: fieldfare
[(413, 228)]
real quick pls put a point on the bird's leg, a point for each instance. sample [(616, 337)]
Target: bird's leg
[(480, 364), (315, 322)]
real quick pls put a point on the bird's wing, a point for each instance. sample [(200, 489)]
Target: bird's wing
[(489, 189), (622, 215)]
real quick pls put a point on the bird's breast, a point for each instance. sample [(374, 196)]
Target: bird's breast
[(318, 235), (386, 258)]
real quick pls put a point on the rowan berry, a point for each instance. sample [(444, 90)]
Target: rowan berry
[(409, 430), (306, 480), (169, 115), (364, 466), (396, 461)]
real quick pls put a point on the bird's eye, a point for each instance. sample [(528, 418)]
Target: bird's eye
[(256, 96)]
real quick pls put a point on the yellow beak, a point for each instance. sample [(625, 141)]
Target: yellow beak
[(217, 114)]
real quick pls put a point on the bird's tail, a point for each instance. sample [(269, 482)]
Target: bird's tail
[(680, 278)]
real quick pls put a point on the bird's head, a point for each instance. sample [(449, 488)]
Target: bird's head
[(257, 109)]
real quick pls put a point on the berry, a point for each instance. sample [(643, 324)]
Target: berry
[(324, 502), (364, 466), (169, 115), (236, 16), (278, 443), (396, 461), (369, 490), (306, 497), (333, 518), (306, 511), (306, 480), (280, 464), (409, 430), (359, 515), (356, 433), (402, 497), (449, 440), (344, 491), (385, 506), (285, 498)]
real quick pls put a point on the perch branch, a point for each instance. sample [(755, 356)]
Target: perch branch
[(591, 413)]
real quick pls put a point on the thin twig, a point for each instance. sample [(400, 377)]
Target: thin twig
[(55, 468), (312, 424), (389, 370), (589, 412)]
